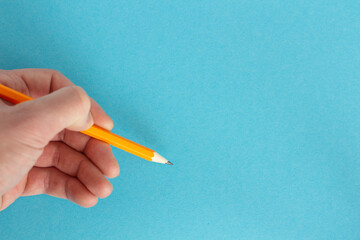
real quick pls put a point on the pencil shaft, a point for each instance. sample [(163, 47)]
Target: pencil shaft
[(94, 131), (119, 142)]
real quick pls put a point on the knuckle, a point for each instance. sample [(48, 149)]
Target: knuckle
[(55, 74), (83, 100)]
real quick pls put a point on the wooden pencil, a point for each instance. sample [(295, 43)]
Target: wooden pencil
[(95, 131)]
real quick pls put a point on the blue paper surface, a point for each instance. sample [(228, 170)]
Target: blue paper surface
[(257, 103)]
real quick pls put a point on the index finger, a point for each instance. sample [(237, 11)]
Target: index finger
[(40, 82)]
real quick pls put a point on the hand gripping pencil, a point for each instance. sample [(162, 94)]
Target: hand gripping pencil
[(97, 132)]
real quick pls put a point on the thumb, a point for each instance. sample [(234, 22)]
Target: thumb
[(28, 127), (39, 120)]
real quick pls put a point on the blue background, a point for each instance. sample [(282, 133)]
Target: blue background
[(257, 103)]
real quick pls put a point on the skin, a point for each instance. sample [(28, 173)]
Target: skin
[(41, 150)]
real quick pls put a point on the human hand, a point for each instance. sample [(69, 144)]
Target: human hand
[(41, 150)]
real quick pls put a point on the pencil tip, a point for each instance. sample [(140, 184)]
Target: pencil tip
[(169, 163)]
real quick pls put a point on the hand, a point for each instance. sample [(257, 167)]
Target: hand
[(41, 150)]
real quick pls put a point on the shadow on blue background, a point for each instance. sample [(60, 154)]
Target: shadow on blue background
[(256, 103)]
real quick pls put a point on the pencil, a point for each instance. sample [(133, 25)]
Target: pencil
[(95, 131)]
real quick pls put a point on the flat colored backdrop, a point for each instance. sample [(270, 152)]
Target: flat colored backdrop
[(257, 103)]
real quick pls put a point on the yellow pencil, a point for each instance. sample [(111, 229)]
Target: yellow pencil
[(97, 132)]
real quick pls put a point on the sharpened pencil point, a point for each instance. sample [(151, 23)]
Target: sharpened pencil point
[(159, 159)]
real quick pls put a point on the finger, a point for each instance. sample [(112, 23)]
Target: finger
[(75, 140), (73, 163), (10, 79), (40, 82), (100, 117), (101, 155), (52, 182), (35, 82), (98, 152), (78, 140), (29, 126), (36, 122)]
